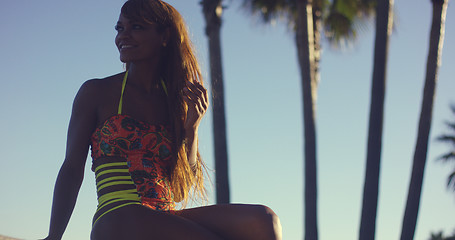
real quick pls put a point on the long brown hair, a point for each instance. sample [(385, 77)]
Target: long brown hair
[(179, 64)]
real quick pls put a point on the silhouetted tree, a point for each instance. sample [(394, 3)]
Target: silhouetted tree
[(450, 156), (212, 10), (306, 18), (384, 22), (420, 153), (439, 236), (436, 236)]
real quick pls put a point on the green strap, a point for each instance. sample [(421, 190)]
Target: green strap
[(130, 195), (112, 179), (114, 208), (114, 200), (123, 194), (164, 87), (111, 171), (120, 104), (110, 165), (114, 184)]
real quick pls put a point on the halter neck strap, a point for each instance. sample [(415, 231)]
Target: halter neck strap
[(164, 87), (120, 104)]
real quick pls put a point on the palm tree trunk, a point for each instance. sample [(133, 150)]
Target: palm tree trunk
[(212, 10), (305, 48), (317, 29), (384, 18), (420, 153)]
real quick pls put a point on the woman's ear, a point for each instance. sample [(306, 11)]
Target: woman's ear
[(166, 36)]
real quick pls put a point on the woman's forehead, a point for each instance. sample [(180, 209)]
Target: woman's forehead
[(128, 20)]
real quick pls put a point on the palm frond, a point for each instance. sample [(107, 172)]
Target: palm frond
[(447, 157), (321, 4), (367, 7), (450, 156), (436, 236), (339, 20), (450, 125), (342, 18), (451, 181), (446, 138), (337, 28), (270, 11), (452, 107), (345, 19)]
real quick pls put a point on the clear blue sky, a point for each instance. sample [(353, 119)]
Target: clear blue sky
[(51, 47)]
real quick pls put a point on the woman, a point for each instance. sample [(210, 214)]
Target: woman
[(142, 127)]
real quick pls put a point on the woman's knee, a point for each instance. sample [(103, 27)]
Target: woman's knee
[(266, 222)]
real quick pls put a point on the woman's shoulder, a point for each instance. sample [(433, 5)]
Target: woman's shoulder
[(93, 89), (103, 83)]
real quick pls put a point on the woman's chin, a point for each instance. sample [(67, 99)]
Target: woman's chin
[(125, 59)]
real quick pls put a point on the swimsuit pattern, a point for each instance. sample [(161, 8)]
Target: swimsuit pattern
[(147, 150)]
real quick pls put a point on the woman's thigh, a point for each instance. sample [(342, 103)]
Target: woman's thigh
[(236, 221), (140, 223)]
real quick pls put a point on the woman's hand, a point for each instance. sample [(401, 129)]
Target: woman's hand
[(196, 97)]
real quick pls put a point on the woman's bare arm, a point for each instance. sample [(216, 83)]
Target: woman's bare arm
[(71, 174)]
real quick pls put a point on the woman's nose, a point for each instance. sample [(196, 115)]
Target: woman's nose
[(125, 33)]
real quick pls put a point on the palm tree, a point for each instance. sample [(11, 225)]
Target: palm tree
[(306, 18), (384, 21), (305, 49), (420, 153), (449, 138), (212, 11)]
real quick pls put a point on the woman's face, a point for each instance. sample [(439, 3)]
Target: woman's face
[(138, 41)]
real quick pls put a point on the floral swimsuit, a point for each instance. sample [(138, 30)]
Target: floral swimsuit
[(131, 161)]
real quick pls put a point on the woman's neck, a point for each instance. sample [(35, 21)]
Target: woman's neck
[(145, 76)]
